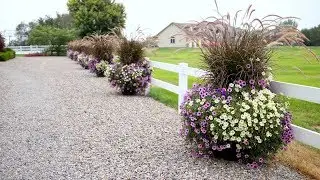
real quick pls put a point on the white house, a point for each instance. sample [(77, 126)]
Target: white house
[(176, 35), (185, 34)]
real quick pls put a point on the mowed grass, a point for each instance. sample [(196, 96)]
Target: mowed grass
[(290, 64)]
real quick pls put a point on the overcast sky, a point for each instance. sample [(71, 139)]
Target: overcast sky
[(154, 15)]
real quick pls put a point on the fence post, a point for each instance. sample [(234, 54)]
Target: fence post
[(183, 82)]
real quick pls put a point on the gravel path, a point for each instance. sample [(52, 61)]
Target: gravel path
[(58, 121)]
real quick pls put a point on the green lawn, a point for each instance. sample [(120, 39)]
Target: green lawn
[(290, 64)]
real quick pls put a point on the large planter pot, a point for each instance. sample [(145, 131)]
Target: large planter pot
[(129, 92), (100, 74)]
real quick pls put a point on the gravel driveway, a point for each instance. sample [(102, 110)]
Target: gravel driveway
[(58, 121)]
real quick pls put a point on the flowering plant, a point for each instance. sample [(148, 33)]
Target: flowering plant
[(83, 60), (233, 114), (102, 68), (92, 64), (70, 54), (244, 122), (131, 79)]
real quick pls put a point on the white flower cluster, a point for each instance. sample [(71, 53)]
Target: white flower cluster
[(255, 117), (132, 75), (104, 67)]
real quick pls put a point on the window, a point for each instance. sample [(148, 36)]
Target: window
[(172, 40)]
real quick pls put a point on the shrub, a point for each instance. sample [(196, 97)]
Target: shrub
[(7, 54), (233, 114)]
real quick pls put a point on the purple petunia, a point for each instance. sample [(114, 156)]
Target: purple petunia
[(192, 124), (261, 160)]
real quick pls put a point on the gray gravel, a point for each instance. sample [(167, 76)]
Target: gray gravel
[(58, 121)]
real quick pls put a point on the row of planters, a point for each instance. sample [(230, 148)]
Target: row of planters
[(129, 71), (232, 114), (5, 53)]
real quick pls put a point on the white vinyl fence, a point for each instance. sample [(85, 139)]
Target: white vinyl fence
[(306, 93), (29, 49)]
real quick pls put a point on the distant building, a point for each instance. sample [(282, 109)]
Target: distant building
[(176, 35), (182, 34)]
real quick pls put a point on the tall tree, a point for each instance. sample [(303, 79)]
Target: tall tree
[(22, 31), (60, 21), (48, 35), (289, 22), (313, 34), (96, 16)]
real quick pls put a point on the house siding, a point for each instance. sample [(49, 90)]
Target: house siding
[(172, 30)]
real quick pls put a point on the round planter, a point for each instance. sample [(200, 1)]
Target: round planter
[(127, 92), (100, 74)]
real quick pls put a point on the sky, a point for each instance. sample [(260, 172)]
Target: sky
[(154, 15)]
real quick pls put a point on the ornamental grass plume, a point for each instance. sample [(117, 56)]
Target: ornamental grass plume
[(103, 47), (239, 47)]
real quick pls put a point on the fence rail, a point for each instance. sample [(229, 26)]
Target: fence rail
[(29, 49), (311, 94)]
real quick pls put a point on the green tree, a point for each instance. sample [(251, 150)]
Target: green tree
[(53, 36), (60, 21), (289, 22), (313, 34), (22, 32), (96, 16)]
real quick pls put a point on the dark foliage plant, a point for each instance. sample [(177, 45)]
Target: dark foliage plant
[(103, 47), (2, 43), (130, 51)]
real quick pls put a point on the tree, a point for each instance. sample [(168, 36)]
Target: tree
[(22, 32), (96, 16), (55, 37), (60, 21), (289, 22), (313, 34)]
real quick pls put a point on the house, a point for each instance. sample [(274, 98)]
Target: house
[(176, 35), (183, 34)]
